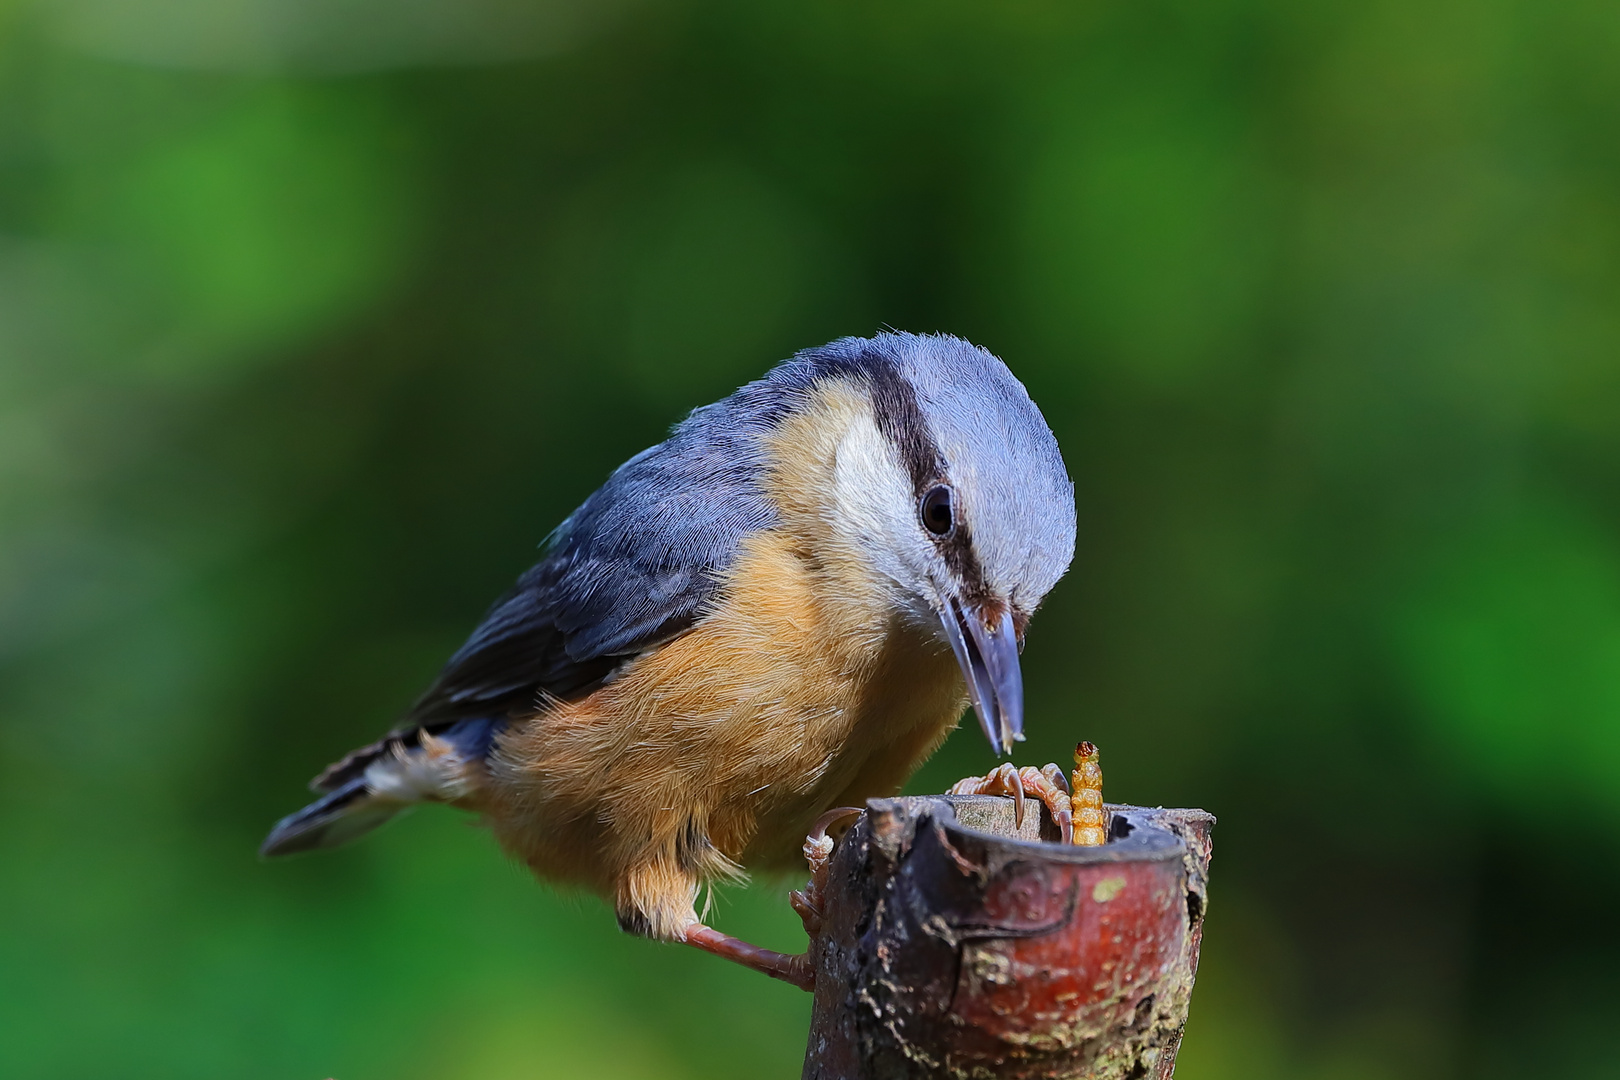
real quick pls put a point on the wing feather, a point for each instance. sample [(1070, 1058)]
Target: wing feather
[(634, 566)]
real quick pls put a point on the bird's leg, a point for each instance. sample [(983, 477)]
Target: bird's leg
[(790, 969), (1048, 785), (798, 970)]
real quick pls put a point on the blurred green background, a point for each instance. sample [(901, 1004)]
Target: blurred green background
[(315, 317)]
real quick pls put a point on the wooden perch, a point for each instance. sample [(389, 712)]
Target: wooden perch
[(956, 945)]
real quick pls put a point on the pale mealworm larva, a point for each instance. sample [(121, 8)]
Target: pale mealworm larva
[(1090, 819)]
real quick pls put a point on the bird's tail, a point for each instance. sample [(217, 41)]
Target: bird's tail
[(374, 783)]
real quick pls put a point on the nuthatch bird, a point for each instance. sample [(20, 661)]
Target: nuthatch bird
[(783, 608)]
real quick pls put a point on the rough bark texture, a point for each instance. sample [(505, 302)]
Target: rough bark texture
[(954, 945)]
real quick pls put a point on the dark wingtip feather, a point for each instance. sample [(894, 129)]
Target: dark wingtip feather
[(346, 814)]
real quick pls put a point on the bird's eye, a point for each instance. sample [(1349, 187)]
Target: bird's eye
[(938, 516)]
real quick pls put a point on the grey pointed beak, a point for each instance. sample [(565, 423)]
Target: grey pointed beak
[(988, 653)]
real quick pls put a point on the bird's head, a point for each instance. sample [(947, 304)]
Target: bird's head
[(950, 485)]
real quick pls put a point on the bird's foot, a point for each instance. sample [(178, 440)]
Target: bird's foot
[(798, 970), (818, 849), (1048, 784)]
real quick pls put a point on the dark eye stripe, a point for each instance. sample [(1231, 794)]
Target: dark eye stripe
[(900, 418)]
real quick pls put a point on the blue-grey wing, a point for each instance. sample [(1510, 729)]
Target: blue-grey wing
[(635, 565)]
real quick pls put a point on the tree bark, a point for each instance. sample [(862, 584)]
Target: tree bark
[(956, 945)]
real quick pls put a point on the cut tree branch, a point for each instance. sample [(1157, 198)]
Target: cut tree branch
[(954, 944)]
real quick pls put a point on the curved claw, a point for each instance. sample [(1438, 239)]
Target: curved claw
[(818, 831), (818, 849), (1058, 801), (818, 846), (1010, 778)]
